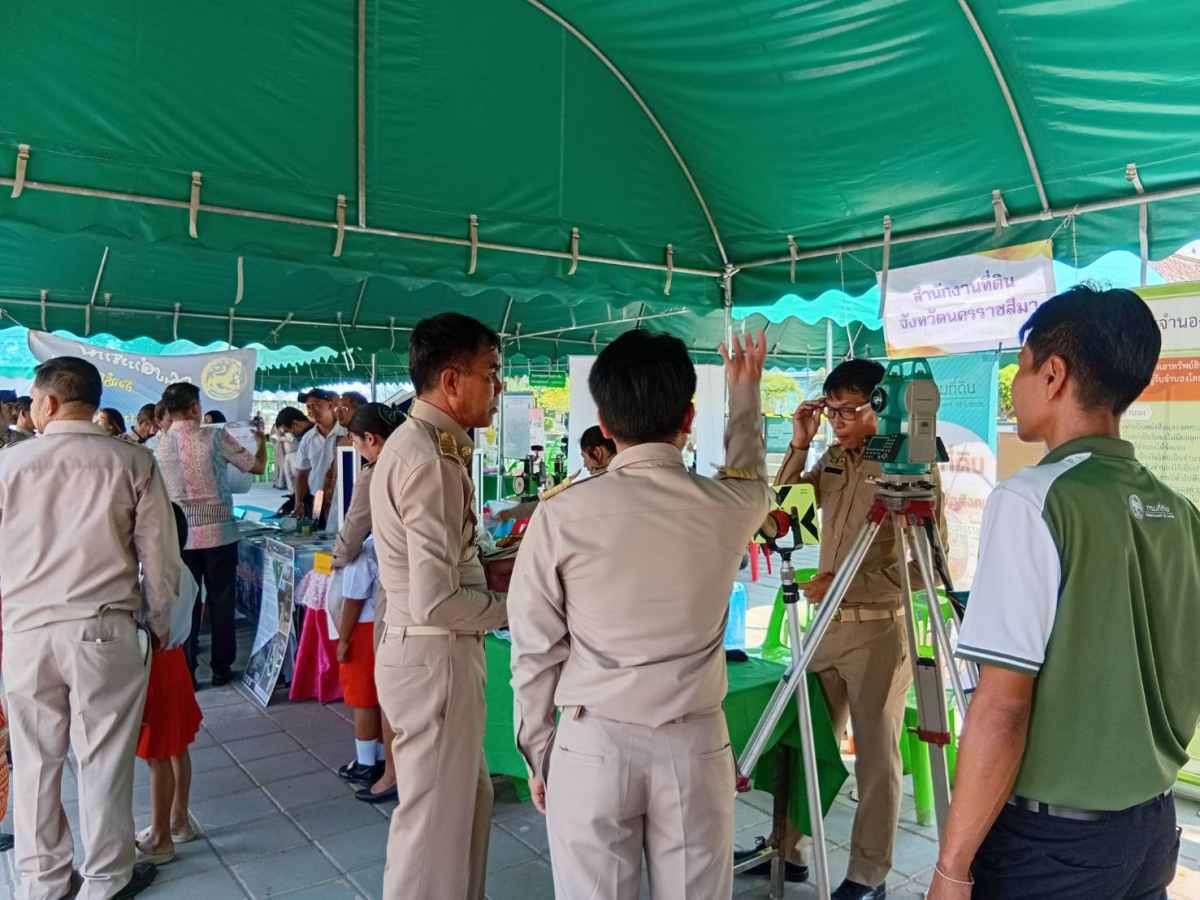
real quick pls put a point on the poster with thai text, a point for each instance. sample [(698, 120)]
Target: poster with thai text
[(976, 302), (970, 390), (274, 620), (1164, 423)]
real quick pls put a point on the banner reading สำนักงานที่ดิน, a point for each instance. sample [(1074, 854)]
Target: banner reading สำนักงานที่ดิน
[(131, 380), (969, 303)]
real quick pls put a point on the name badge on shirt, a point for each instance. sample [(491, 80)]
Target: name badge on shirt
[(831, 470)]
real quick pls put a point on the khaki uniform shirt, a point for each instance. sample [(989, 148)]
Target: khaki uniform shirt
[(620, 595), (78, 512), (426, 533), (844, 495)]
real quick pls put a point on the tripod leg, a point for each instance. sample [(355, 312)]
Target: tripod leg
[(944, 652), (816, 823), (932, 726), (816, 630)]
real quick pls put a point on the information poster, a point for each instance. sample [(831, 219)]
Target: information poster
[(1164, 423), (778, 432), (274, 620), (970, 390), (518, 407), (976, 302)]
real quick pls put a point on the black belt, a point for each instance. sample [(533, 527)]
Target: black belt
[(1079, 815)]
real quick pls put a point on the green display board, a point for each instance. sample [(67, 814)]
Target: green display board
[(548, 379)]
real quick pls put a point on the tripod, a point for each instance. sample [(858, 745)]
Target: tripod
[(909, 500)]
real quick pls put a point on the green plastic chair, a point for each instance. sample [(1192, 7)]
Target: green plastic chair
[(776, 646)]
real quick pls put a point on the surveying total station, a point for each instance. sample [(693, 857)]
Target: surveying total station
[(906, 448)]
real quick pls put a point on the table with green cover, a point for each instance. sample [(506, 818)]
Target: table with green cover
[(751, 685)]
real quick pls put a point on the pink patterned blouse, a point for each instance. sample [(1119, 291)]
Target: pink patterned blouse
[(193, 460)]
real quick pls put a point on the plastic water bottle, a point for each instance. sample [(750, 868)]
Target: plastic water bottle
[(735, 631)]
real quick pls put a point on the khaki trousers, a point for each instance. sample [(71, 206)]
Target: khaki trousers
[(431, 690), (79, 684), (616, 791), (865, 673)]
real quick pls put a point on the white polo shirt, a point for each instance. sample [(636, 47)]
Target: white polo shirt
[(316, 453)]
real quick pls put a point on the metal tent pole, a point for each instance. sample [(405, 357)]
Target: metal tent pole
[(362, 113), (374, 372)]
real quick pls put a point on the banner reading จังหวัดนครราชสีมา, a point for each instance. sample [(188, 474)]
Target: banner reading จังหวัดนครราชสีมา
[(131, 380), (1164, 423), (976, 302), (970, 389)]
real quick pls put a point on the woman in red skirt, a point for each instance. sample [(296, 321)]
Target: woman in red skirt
[(169, 725)]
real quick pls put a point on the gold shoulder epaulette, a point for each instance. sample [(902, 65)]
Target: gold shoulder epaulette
[(738, 474), (447, 445), (559, 488)]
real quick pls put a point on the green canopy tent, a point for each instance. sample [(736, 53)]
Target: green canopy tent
[(384, 158)]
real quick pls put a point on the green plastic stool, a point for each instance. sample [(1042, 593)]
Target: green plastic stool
[(776, 646)]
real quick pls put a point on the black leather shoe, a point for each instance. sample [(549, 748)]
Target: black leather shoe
[(366, 795), (791, 872), (356, 771), (223, 678), (852, 890), (143, 874), (6, 842)]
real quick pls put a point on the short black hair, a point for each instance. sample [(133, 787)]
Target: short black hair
[(24, 404), (147, 413), (215, 417), (160, 412), (115, 416), (375, 418), (288, 416), (643, 384), (1108, 339), (180, 396), (71, 380), (354, 397), (861, 375), (594, 438), (445, 341)]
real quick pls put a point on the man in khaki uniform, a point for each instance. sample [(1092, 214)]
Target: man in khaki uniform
[(618, 610), (75, 667), (430, 669), (862, 660)]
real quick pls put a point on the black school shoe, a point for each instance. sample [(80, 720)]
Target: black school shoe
[(792, 873), (852, 890), (143, 874), (222, 678), (356, 771), (367, 796)]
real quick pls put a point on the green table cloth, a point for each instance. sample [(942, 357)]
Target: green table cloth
[(751, 685)]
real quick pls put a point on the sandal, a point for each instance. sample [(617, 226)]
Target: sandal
[(185, 837), (148, 855)]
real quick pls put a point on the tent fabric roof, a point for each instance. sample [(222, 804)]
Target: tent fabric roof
[(717, 128)]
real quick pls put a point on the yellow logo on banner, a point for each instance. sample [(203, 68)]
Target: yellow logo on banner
[(222, 378)]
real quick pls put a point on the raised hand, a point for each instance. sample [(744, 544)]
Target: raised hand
[(745, 366), (806, 420)]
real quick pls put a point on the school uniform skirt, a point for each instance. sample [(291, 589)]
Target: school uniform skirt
[(172, 716)]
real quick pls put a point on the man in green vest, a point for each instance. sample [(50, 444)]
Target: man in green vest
[(1085, 618)]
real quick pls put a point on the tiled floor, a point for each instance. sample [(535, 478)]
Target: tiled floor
[(276, 821)]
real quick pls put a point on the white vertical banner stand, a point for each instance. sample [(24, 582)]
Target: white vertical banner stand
[(582, 408), (709, 427)]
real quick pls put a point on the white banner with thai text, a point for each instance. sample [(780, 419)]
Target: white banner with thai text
[(976, 302), (131, 380)]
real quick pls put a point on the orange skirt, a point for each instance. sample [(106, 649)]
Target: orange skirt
[(172, 716), (358, 676)]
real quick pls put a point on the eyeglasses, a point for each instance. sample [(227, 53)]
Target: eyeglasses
[(845, 413)]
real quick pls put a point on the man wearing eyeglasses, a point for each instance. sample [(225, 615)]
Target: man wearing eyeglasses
[(862, 660)]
